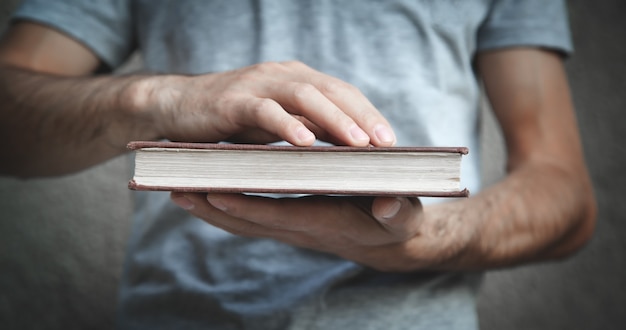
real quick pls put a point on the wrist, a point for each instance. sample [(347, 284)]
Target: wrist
[(139, 106), (449, 239)]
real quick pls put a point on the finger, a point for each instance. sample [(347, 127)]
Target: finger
[(197, 205), (398, 215), (218, 217), (267, 212), (352, 102), (261, 136), (327, 218), (268, 115), (182, 201), (320, 133), (306, 100)]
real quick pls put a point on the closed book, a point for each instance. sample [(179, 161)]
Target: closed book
[(327, 170)]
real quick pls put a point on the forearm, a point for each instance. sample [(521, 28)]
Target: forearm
[(53, 125), (540, 211)]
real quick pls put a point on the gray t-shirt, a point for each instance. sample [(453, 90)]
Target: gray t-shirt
[(412, 58)]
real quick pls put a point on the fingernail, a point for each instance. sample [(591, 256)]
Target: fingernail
[(391, 210), (217, 203), (358, 134), (304, 135), (183, 202), (384, 134)]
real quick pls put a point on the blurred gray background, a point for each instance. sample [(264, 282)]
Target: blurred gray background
[(62, 240)]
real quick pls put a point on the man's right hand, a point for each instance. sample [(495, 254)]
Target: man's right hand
[(276, 101)]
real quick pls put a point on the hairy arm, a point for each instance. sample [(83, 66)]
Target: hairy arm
[(58, 118), (548, 197), (545, 207)]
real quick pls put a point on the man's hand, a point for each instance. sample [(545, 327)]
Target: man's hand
[(384, 233), (366, 230), (275, 101)]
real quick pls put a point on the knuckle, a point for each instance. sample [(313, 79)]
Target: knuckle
[(258, 107), (264, 105), (303, 92), (266, 67), (287, 123), (332, 86), (337, 87), (255, 106)]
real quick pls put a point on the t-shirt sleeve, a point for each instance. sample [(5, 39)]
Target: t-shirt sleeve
[(104, 26), (536, 23)]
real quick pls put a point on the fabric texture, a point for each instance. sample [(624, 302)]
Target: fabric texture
[(412, 58)]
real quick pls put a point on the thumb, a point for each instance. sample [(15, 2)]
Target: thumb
[(400, 216)]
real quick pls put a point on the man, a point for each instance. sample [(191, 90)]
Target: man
[(356, 73)]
